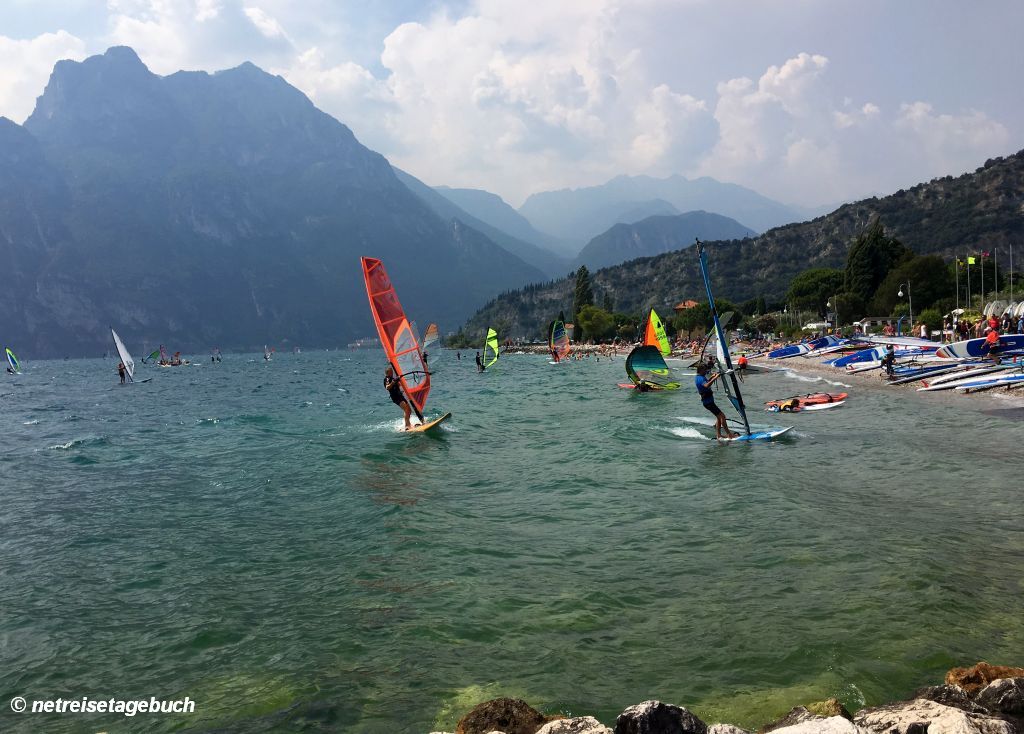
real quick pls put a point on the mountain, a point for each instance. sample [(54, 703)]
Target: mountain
[(947, 216), (578, 215), (492, 209), (199, 209), (655, 235), (544, 260)]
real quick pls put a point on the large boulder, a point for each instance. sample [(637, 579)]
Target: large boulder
[(822, 725), (927, 717), (976, 677), (655, 717), (1003, 696), (576, 725), (508, 715), (948, 695), (818, 711)]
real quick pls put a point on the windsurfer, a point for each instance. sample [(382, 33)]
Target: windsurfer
[(707, 399), (425, 361), (121, 371), (479, 364), (394, 388), (11, 371)]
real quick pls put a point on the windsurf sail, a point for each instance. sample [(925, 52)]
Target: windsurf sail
[(491, 348), (155, 354), (126, 358), (163, 354), (558, 337), (13, 361), (396, 335), (724, 360), (654, 335), (646, 365), (430, 337)]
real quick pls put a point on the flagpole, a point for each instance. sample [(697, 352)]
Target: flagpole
[(969, 258), (995, 272), (983, 283)]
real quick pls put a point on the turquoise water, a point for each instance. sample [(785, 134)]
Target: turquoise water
[(259, 538)]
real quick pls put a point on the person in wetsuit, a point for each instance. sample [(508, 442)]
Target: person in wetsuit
[(479, 364), (394, 388), (121, 371), (707, 398)]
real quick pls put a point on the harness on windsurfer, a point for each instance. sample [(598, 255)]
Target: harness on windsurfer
[(703, 384), (394, 388)]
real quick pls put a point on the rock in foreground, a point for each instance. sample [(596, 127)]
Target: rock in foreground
[(655, 717), (508, 715), (927, 717)]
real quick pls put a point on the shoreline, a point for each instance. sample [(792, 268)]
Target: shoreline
[(874, 379), (981, 699)]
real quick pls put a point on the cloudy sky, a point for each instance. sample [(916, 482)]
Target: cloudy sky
[(808, 101)]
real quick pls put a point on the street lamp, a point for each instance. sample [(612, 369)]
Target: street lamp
[(910, 302), (834, 305)]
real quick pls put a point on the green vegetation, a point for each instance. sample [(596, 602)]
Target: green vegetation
[(596, 323), (947, 217), (582, 296)]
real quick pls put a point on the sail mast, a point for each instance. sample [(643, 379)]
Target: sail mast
[(725, 360)]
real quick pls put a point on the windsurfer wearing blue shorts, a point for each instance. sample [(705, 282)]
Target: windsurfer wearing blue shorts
[(394, 388), (707, 399)]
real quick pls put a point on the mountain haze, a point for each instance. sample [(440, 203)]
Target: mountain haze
[(543, 259), (947, 216), (199, 209), (492, 209), (579, 215), (655, 235)]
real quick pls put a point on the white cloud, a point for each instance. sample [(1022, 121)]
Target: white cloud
[(266, 25), (26, 66), (519, 97)]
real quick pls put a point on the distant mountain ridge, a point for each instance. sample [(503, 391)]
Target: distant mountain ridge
[(946, 216), (199, 209), (656, 235), (494, 210), (579, 215), (539, 257)]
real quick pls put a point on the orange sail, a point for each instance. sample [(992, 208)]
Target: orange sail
[(654, 335), (396, 334)]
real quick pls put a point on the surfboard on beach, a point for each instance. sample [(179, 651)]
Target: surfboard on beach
[(980, 348)]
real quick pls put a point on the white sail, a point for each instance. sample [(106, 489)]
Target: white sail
[(122, 351)]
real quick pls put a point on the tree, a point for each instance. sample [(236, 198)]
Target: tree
[(595, 322), (766, 324), (699, 317), (932, 318), (930, 281), (812, 288), (608, 304), (871, 257), (582, 296)]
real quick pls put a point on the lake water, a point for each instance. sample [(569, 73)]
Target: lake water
[(258, 537)]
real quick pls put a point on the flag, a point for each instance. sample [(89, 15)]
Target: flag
[(985, 254), (970, 260)]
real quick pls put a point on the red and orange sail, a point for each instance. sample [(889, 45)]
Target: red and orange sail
[(396, 334)]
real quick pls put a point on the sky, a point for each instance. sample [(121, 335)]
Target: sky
[(810, 102)]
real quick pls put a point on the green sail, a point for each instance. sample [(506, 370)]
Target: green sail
[(491, 348)]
